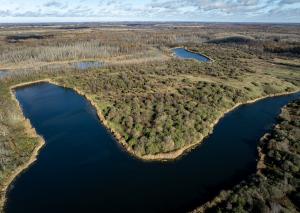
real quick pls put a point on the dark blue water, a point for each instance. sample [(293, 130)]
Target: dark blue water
[(185, 54), (83, 65), (83, 169)]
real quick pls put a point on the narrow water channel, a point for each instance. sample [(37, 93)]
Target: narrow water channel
[(83, 169)]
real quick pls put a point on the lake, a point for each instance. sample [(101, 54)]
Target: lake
[(185, 54), (82, 168)]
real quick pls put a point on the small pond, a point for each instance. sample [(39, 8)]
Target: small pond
[(83, 65), (185, 54)]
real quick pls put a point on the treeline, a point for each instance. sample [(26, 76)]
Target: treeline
[(233, 40), (57, 44), (78, 50), (282, 48), (260, 47), (18, 38)]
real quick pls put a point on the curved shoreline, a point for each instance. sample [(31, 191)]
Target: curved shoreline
[(161, 156), (173, 155), (178, 153), (210, 60), (225, 194), (158, 157), (32, 132)]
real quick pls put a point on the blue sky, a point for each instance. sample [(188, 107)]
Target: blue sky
[(150, 10)]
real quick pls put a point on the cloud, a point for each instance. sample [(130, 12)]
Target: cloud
[(52, 4), (55, 4), (219, 6), (192, 10), (283, 2), (5, 13)]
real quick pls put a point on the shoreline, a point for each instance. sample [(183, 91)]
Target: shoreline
[(178, 153), (119, 139), (260, 166), (224, 194), (173, 155), (32, 132)]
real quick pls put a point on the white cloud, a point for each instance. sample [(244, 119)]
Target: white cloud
[(185, 10)]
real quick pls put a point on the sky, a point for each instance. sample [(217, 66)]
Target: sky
[(150, 10)]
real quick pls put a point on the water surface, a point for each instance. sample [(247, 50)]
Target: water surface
[(185, 54), (83, 65), (3, 73), (83, 169)]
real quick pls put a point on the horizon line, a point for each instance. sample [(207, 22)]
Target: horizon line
[(158, 21)]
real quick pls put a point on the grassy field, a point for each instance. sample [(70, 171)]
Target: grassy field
[(157, 104)]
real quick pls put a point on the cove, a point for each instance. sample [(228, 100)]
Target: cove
[(185, 54), (83, 169)]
